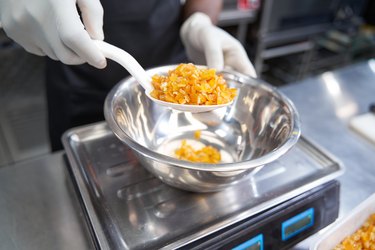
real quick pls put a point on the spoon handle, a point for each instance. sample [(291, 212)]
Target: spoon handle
[(128, 62)]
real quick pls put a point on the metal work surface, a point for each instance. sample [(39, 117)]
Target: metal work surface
[(326, 104), (38, 210), (131, 209)]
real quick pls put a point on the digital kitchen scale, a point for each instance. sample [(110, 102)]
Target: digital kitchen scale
[(128, 208)]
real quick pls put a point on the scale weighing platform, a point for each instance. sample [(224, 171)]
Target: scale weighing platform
[(127, 208)]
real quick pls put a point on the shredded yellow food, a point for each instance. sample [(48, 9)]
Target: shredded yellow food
[(207, 154), (197, 134), (188, 84), (363, 238)]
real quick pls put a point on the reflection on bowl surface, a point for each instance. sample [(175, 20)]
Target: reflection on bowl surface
[(260, 126)]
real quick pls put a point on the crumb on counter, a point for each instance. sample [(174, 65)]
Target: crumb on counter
[(197, 134)]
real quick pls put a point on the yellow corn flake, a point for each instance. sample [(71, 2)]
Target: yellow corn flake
[(207, 154), (363, 238), (188, 84)]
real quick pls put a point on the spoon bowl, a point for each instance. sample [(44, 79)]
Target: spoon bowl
[(137, 71)]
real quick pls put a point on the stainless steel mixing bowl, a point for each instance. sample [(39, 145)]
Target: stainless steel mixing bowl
[(260, 126)]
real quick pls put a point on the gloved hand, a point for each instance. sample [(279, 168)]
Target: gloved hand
[(54, 28), (207, 44)]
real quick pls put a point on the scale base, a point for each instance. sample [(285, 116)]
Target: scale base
[(280, 227)]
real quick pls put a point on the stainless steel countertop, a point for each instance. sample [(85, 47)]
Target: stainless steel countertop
[(326, 104), (39, 211)]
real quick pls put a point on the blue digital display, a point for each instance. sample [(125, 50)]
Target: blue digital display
[(255, 243), (297, 224)]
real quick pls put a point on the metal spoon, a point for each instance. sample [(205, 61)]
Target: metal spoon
[(135, 69)]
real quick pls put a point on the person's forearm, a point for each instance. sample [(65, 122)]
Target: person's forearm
[(210, 7)]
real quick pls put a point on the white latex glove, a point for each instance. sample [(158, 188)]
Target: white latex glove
[(54, 28), (207, 44)]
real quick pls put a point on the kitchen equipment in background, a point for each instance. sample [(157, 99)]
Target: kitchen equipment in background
[(237, 16), (297, 39), (128, 208)]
